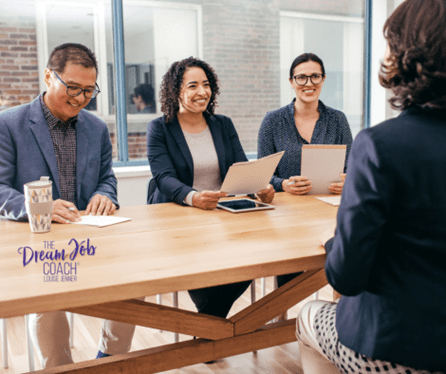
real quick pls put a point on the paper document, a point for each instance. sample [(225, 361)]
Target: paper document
[(322, 164), (250, 176), (333, 200), (101, 221)]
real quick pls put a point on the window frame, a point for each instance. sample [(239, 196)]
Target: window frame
[(42, 43), (343, 19), (117, 28)]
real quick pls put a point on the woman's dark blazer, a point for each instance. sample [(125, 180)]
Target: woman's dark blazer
[(388, 257), (171, 162)]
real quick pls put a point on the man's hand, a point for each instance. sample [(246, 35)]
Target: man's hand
[(297, 185), (100, 205), (65, 212), (266, 195), (207, 199)]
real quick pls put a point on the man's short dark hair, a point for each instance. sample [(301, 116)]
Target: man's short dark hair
[(74, 53), (146, 91)]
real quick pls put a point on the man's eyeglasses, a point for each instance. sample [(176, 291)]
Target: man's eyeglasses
[(89, 93), (302, 79)]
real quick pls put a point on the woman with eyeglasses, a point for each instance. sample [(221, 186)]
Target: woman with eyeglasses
[(305, 121)]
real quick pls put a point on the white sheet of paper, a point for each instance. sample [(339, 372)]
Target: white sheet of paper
[(101, 221), (333, 200), (322, 164), (250, 176)]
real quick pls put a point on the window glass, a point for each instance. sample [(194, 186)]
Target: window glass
[(154, 38), (339, 42), (70, 24), (250, 44)]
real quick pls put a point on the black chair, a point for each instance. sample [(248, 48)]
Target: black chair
[(151, 187)]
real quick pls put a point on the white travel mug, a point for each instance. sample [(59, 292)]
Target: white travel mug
[(39, 204)]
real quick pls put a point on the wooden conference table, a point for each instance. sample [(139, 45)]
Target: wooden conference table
[(167, 248)]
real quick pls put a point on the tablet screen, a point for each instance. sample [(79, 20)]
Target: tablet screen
[(243, 205)]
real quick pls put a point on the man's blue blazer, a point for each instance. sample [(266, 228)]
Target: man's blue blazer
[(27, 153)]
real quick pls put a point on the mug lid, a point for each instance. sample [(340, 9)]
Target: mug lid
[(42, 183)]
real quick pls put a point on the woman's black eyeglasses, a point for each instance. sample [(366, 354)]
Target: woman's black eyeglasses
[(302, 79)]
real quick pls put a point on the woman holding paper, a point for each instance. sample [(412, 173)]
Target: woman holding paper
[(388, 253), (305, 121), (190, 150)]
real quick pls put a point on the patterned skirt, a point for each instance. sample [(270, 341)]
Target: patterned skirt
[(344, 358)]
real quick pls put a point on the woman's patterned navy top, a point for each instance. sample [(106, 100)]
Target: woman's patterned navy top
[(278, 132)]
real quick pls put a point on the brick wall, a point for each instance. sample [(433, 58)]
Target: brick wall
[(241, 41), (19, 82), (137, 144)]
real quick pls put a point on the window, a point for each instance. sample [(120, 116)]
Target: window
[(155, 36), (339, 42), (250, 44)]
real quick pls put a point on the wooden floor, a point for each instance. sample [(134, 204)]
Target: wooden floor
[(282, 359)]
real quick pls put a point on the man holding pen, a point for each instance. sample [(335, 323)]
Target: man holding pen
[(52, 136)]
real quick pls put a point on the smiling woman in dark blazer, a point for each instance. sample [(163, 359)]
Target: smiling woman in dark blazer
[(190, 150), (388, 256)]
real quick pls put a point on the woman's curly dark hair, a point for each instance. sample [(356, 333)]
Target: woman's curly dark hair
[(416, 69), (171, 86)]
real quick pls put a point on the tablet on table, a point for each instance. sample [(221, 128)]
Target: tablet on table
[(243, 205)]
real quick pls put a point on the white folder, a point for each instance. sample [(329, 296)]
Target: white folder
[(322, 164)]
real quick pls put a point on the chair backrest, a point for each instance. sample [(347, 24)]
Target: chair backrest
[(151, 187)]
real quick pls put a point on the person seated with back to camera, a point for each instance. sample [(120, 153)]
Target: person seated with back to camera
[(388, 255)]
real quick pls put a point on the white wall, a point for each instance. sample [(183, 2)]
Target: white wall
[(380, 108), (132, 184), (378, 93)]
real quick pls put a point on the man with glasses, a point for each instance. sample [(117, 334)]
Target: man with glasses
[(52, 136)]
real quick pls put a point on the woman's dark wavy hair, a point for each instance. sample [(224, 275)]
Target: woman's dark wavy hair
[(305, 57), (416, 69), (172, 81)]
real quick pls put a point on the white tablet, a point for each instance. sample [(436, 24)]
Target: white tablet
[(243, 205)]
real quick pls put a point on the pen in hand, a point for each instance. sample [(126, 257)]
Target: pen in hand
[(73, 209)]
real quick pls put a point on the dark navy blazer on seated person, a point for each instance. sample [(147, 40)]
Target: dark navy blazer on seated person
[(388, 257), (170, 159), (27, 153)]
